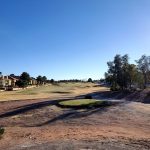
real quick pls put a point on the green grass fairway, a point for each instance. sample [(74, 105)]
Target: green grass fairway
[(83, 103)]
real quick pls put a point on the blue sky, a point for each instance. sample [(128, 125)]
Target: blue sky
[(66, 39)]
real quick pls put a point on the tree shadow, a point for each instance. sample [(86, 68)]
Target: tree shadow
[(72, 113), (106, 95), (28, 107)]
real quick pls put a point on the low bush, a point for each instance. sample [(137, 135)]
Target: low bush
[(2, 130)]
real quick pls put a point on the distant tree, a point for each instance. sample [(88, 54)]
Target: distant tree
[(25, 77), (21, 83), (143, 65), (0, 74), (71, 80), (90, 80), (24, 80), (39, 79), (102, 80), (52, 81), (108, 78), (122, 75), (117, 75), (132, 75), (44, 79), (114, 75), (140, 80), (12, 75)]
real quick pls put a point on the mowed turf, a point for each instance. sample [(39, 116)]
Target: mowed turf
[(83, 103)]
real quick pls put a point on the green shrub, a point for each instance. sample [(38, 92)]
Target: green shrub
[(2, 130), (114, 87)]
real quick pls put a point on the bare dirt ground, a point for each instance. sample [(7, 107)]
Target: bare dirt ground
[(40, 124)]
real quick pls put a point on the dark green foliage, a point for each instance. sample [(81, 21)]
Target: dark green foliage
[(22, 83), (52, 81), (24, 80), (25, 77), (2, 130), (90, 80), (41, 80), (121, 75), (114, 87), (143, 65), (117, 75), (12, 75), (44, 79)]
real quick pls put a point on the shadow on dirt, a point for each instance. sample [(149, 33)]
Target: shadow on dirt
[(38, 105), (26, 108), (45, 116), (71, 114), (136, 96)]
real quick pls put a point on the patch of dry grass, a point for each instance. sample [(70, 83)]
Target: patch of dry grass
[(51, 91)]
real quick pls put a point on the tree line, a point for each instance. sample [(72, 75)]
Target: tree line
[(122, 75), (24, 79)]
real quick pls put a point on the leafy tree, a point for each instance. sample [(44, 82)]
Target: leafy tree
[(52, 81), (90, 80), (24, 80), (132, 75), (125, 71), (114, 74), (39, 79), (140, 80), (144, 67), (25, 77), (122, 75), (44, 79), (118, 72), (21, 83), (12, 75)]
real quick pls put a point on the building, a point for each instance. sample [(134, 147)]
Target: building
[(7, 81), (33, 81)]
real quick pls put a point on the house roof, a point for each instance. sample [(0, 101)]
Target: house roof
[(13, 78), (16, 77), (8, 78), (32, 78)]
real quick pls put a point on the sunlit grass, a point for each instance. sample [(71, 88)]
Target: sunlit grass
[(56, 90), (83, 102)]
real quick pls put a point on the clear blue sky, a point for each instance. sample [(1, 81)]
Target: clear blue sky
[(66, 39)]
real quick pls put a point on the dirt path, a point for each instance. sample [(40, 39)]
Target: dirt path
[(42, 125)]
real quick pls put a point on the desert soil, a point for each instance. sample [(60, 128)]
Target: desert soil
[(40, 124)]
